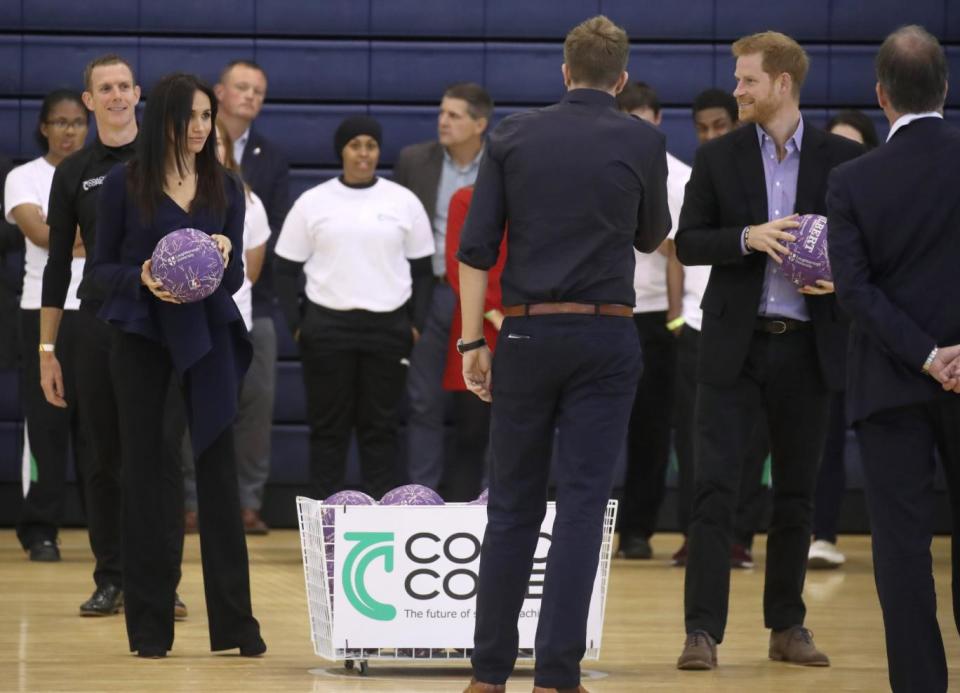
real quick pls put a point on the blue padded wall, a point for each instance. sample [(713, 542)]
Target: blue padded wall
[(327, 59)]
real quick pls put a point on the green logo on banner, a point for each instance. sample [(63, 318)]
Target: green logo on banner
[(369, 547)]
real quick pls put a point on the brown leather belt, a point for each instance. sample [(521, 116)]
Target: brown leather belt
[(576, 308), (780, 325)]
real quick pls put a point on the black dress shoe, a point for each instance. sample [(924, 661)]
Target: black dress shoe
[(106, 601), (637, 548), (254, 648), (179, 608), (44, 551), (152, 653)]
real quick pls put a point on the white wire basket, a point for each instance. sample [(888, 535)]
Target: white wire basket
[(437, 549)]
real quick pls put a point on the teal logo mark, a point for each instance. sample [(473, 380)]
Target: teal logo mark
[(369, 547)]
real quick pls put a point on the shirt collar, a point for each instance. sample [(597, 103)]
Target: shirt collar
[(795, 140), (592, 97), (909, 118), (103, 151), (448, 160), (242, 140)]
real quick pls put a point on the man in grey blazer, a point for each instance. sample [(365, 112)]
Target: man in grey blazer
[(434, 171)]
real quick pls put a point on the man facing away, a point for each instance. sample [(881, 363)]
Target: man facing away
[(767, 348), (579, 184), (894, 242)]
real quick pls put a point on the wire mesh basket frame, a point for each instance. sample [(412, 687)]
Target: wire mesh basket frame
[(318, 582)]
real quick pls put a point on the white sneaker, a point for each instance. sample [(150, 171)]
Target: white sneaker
[(824, 555)]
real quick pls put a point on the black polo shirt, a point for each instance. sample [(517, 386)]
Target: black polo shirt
[(579, 184), (73, 201)]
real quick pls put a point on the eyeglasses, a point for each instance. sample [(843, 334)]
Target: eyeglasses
[(63, 124)]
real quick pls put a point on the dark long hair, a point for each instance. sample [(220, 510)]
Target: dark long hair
[(55, 98), (165, 123), (860, 122)]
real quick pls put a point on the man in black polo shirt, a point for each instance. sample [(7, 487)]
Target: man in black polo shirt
[(579, 184), (111, 92)]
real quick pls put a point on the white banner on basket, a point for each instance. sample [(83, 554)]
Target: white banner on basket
[(406, 576)]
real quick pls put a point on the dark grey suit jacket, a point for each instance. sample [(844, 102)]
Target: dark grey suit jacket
[(418, 168)]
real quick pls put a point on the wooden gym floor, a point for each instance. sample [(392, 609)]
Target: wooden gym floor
[(45, 646)]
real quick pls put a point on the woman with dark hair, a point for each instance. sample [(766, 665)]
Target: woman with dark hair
[(176, 182), (364, 244), (832, 478), (854, 125), (61, 130)]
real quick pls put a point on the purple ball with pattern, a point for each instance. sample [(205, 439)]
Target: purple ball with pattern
[(808, 260), (411, 494), (188, 264), (340, 498), (481, 499)]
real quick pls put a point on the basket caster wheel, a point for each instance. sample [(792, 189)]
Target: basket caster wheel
[(348, 664), (364, 668)]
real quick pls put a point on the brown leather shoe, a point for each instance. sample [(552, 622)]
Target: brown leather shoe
[(252, 524), (795, 645), (699, 652), (477, 687), (190, 520)]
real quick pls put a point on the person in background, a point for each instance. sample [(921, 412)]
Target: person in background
[(364, 244), (464, 472), (658, 285), (11, 280), (714, 115), (61, 131), (256, 233), (241, 92), (832, 480), (175, 182), (434, 170)]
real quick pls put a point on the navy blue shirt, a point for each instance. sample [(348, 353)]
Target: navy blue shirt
[(207, 340), (580, 184)]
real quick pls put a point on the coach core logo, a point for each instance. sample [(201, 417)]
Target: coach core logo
[(92, 183), (369, 547)]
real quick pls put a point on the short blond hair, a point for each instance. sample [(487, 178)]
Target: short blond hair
[(596, 52), (781, 54)]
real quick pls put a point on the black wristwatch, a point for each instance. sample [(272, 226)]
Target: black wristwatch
[(470, 346)]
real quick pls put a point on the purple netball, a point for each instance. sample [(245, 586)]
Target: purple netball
[(340, 498), (411, 494), (188, 264), (481, 499), (808, 260)]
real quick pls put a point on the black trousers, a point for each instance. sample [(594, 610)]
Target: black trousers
[(648, 436), (463, 475), (355, 366), (50, 429), (781, 377), (101, 479), (753, 498), (153, 511), (832, 481), (579, 374), (896, 449)]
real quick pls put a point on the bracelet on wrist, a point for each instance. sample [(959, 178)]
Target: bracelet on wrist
[(930, 359), (676, 323)]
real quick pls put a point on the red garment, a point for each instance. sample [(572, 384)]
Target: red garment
[(459, 204)]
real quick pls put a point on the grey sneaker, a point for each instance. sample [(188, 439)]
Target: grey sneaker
[(699, 652)]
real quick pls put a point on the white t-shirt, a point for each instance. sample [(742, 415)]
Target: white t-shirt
[(256, 232), (650, 274), (355, 243), (30, 184)]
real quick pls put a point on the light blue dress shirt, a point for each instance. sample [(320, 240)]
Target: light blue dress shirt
[(452, 178)]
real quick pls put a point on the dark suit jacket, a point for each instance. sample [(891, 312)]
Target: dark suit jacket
[(726, 192), (894, 220), (418, 168), (266, 170)]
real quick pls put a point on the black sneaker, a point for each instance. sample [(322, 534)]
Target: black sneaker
[(636, 547), (179, 608), (105, 601), (44, 551)]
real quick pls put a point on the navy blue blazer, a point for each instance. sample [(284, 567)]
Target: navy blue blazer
[(207, 340), (894, 226)]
